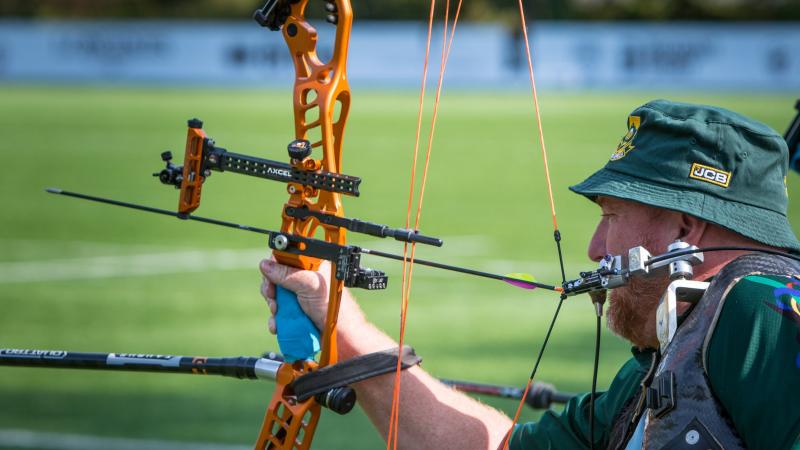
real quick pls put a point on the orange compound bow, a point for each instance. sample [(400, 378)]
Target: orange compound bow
[(321, 106), (315, 186)]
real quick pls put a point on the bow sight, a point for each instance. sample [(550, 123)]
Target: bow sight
[(203, 157)]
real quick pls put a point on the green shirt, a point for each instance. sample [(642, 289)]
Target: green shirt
[(753, 363)]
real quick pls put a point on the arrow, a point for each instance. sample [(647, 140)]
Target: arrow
[(520, 280)]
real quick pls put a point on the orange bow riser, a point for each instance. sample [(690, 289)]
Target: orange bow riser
[(321, 106)]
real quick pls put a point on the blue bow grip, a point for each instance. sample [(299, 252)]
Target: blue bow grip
[(298, 337)]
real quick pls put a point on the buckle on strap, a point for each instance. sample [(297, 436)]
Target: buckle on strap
[(661, 394)]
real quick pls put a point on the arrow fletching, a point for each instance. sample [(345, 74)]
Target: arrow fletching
[(521, 280)]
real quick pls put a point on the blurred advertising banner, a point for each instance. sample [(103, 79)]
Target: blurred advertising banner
[(566, 54)]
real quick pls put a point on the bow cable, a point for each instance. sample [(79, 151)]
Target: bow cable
[(395, 395), (556, 233), (408, 262)]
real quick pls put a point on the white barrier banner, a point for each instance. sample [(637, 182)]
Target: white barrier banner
[(567, 55)]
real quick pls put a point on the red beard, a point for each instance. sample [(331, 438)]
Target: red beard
[(632, 310)]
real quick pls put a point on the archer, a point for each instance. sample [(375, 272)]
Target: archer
[(714, 370)]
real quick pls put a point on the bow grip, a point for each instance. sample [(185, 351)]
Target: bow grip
[(298, 337)]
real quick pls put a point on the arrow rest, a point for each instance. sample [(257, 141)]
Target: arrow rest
[(346, 259)]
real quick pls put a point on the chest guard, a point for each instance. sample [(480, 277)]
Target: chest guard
[(681, 409)]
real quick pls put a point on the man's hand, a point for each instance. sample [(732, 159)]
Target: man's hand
[(468, 423), (311, 289)]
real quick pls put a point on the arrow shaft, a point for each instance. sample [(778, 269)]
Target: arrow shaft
[(458, 269)]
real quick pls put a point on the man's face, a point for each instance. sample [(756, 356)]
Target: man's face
[(624, 225)]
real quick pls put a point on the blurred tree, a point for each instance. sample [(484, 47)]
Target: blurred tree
[(496, 10)]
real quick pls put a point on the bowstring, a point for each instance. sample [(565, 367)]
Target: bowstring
[(556, 232), (392, 438), (395, 391)]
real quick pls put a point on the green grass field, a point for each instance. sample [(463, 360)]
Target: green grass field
[(88, 277)]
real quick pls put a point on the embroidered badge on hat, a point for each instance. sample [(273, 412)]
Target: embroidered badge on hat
[(710, 175), (626, 144)]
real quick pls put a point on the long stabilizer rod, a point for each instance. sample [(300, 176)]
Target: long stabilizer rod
[(241, 367), (523, 283), (338, 399), (541, 395)]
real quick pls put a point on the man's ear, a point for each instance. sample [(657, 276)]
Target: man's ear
[(691, 229)]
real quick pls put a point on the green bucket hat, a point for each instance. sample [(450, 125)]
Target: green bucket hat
[(708, 162)]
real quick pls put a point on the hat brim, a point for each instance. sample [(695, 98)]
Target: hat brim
[(762, 225)]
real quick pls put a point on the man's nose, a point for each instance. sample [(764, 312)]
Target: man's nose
[(597, 246)]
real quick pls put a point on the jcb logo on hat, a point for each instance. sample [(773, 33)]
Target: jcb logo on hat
[(626, 144), (710, 175)]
